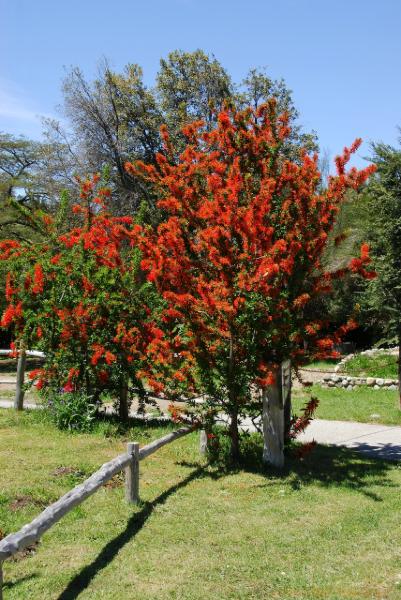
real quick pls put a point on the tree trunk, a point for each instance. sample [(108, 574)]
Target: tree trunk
[(233, 428), (276, 416), (234, 436), (123, 403), (399, 365), (287, 388), (20, 390)]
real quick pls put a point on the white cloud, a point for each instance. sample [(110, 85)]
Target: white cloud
[(18, 113), (11, 107)]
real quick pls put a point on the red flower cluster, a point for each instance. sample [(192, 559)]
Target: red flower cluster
[(240, 251)]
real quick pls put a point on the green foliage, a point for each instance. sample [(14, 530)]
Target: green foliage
[(383, 295), (72, 411), (352, 227), (191, 86), (81, 298)]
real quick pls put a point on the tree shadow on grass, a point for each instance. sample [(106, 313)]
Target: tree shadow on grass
[(138, 422), (82, 580), (327, 466), (8, 585), (340, 467)]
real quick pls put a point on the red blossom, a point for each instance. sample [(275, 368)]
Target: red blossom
[(38, 279)]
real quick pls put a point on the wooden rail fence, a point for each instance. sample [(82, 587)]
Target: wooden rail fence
[(32, 532), (22, 355)]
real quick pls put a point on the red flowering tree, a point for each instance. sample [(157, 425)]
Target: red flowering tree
[(80, 297), (238, 259)]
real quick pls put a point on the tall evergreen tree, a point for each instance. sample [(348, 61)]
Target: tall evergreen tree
[(383, 295)]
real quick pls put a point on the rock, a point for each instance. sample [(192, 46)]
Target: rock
[(388, 382), (376, 387), (370, 380), (393, 387), (380, 382)]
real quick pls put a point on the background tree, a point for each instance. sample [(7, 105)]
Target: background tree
[(23, 192), (112, 119), (383, 295), (191, 86), (116, 118), (258, 88), (22, 189)]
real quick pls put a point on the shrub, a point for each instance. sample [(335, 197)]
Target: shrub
[(73, 411)]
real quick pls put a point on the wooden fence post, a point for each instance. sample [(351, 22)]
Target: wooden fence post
[(132, 474), (202, 441), (20, 391)]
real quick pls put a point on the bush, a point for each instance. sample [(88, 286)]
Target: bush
[(219, 448), (73, 411)]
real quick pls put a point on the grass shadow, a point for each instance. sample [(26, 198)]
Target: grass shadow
[(333, 466), (327, 466), (110, 421), (82, 580), (8, 585)]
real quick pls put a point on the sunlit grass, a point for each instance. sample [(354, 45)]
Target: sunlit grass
[(362, 404), (318, 530)]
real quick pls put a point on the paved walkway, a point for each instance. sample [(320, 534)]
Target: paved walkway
[(379, 441)]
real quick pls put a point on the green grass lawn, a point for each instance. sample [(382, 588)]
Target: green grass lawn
[(361, 404), (326, 528), (322, 365), (379, 365)]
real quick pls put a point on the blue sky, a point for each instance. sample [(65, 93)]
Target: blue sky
[(341, 59)]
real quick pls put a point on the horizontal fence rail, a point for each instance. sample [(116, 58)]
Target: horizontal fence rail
[(34, 353), (22, 354), (32, 532)]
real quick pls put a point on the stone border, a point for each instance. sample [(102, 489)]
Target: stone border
[(350, 383)]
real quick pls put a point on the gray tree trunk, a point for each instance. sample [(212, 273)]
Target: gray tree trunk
[(123, 409), (20, 390), (276, 416)]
